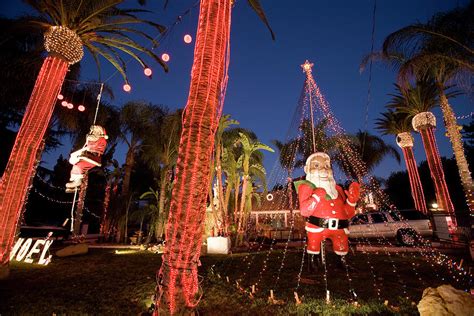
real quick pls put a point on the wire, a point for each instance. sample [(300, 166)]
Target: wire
[(369, 85), (163, 35), (98, 103)]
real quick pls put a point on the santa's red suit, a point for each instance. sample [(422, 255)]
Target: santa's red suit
[(327, 217), (88, 156)]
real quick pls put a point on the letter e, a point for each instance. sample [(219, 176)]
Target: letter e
[(34, 250)]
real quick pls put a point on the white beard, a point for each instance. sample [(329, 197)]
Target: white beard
[(328, 184)]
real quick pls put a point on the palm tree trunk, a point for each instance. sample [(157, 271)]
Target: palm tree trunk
[(454, 135), (166, 177), (236, 199), (178, 282), (125, 237), (220, 189), (104, 223), (228, 191), (415, 183), (129, 161), (80, 205), (140, 234), (19, 170), (243, 198), (436, 169)]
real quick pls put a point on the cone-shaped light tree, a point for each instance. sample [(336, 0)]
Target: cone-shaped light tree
[(178, 284), (100, 26), (417, 101), (398, 124)]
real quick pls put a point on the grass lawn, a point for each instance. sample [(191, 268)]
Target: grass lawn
[(103, 282)]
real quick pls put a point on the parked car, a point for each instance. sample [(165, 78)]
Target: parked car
[(404, 225)]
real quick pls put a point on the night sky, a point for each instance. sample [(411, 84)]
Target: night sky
[(265, 76)]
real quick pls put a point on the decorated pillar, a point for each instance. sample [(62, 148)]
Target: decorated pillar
[(405, 142), (425, 123)]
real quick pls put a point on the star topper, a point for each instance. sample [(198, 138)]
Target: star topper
[(307, 66)]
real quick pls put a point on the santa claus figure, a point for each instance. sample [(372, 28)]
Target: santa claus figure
[(89, 156), (325, 205)]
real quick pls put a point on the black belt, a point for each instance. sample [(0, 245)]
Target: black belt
[(327, 222)]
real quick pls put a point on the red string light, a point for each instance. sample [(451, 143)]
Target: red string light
[(436, 169), (15, 180), (415, 182), (179, 268)]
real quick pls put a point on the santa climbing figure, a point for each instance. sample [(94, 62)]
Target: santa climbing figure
[(326, 207), (89, 156)]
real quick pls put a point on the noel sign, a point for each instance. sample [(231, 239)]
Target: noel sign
[(28, 250)]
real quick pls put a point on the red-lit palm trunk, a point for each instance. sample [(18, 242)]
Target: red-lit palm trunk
[(20, 167), (178, 282), (436, 169), (80, 205), (104, 222), (415, 182)]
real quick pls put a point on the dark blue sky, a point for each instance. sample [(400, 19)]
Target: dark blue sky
[(265, 76)]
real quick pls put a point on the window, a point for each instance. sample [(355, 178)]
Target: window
[(412, 215), (359, 220), (394, 215), (378, 218)]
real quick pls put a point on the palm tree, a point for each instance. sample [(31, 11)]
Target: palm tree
[(441, 50), (249, 147), (200, 120), (224, 123), (232, 164), (232, 183), (104, 29), (160, 152), (287, 155), (138, 120), (157, 220), (322, 141), (372, 149), (398, 124), (416, 102)]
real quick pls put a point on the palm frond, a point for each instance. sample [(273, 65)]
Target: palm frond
[(393, 123), (257, 7), (104, 28)]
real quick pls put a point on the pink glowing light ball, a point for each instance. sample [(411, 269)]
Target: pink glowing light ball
[(64, 103), (165, 57), (147, 71), (188, 39), (60, 96), (81, 108), (127, 88), (70, 106)]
